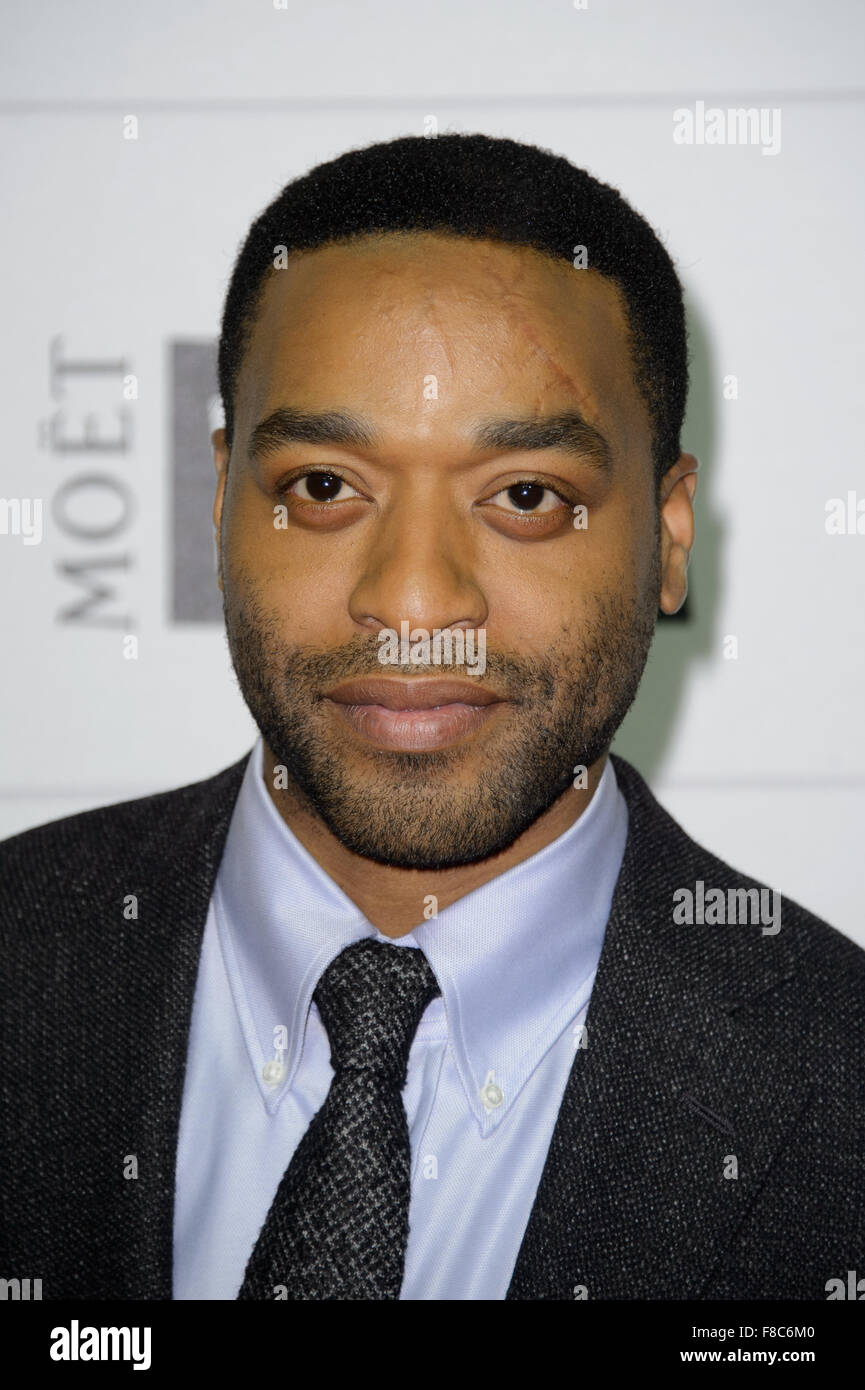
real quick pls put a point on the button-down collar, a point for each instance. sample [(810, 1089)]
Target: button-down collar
[(515, 959)]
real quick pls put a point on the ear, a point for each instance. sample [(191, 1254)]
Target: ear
[(221, 454), (676, 497)]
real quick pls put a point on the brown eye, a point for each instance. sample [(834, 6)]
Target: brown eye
[(529, 497), (322, 487), (526, 496)]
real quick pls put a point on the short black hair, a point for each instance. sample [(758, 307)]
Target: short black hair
[(483, 187)]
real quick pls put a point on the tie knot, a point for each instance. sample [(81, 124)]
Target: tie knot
[(371, 998)]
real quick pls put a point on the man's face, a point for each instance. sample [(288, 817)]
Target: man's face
[(423, 518)]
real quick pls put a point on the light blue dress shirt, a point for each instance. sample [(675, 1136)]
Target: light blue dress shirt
[(515, 961)]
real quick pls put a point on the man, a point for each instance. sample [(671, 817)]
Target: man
[(427, 997)]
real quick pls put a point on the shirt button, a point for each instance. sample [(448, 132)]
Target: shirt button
[(272, 1072), (492, 1095)]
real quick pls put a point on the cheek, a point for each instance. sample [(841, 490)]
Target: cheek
[(625, 546), (644, 540), (538, 603), (278, 569), (542, 595)]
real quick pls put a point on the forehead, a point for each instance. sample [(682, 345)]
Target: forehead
[(365, 325)]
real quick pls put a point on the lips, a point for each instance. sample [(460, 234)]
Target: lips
[(413, 716), (411, 694)]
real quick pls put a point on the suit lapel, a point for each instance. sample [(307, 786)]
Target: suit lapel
[(102, 944), (671, 1091), (180, 886), (123, 1079)]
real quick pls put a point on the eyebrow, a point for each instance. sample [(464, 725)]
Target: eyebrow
[(567, 431), (288, 426)]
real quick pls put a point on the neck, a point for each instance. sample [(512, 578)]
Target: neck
[(395, 900)]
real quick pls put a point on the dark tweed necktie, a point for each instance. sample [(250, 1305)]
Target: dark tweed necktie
[(338, 1225)]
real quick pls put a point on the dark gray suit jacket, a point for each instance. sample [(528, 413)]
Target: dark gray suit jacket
[(705, 1043)]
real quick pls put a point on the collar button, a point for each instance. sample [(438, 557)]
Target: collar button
[(272, 1072), (492, 1094)]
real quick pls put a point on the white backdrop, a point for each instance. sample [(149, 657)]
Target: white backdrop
[(116, 254)]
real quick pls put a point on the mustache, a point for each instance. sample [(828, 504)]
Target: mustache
[(312, 668)]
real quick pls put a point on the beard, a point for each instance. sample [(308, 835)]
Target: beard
[(415, 810)]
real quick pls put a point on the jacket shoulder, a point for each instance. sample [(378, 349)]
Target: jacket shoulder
[(66, 857), (828, 965)]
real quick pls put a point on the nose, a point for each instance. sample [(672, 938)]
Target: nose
[(420, 567)]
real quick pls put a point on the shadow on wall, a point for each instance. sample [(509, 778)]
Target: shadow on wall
[(643, 737)]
